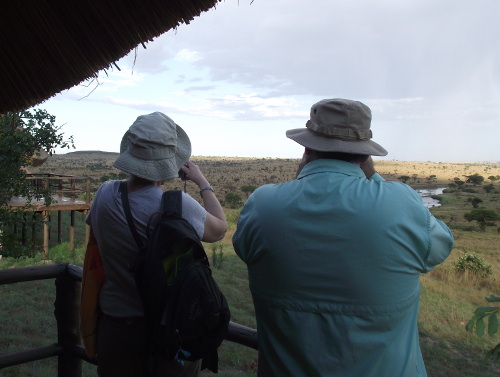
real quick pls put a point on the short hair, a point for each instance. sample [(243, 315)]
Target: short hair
[(340, 156)]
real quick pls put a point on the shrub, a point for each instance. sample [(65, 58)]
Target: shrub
[(217, 255), (13, 248), (233, 200), (472, 264)]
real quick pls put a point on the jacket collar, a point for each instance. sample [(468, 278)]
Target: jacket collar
[(331, 166)]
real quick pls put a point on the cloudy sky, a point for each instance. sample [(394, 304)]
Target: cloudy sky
[(240, 75)]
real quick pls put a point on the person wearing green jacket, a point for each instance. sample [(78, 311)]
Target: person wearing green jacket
[(334, 257)]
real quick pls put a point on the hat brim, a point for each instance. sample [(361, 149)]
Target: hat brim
[(155, 170), (312, 140)]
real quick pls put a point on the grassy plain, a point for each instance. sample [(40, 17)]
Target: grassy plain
[(448, 298)]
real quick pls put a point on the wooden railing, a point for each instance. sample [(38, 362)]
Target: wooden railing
[(68, 348), (68, 194)]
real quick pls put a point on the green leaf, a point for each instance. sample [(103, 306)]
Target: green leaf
[(493, 298), (492, 325), (480, 327), (471, 323), (483, 311)]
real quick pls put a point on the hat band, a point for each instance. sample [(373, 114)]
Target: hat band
[(339, 132), (151, 154)]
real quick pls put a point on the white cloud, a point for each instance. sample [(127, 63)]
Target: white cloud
[(186, 55), (429, 69)]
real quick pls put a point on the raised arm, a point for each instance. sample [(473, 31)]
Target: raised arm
[(215, 223)]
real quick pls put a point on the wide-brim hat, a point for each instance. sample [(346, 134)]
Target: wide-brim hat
[(338, 125), (154, 148)]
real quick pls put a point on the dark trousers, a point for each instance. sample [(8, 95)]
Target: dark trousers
[(119, 349)]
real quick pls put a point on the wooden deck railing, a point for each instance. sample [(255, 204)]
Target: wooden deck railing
[(67, 193), (68, 348)]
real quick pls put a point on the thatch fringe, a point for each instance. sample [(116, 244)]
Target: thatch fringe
[(47, 46)]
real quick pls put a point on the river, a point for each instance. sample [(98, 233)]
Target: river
[(426, 196)]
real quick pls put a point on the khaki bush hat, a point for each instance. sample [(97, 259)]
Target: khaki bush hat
[(338, 125), (154, 148)]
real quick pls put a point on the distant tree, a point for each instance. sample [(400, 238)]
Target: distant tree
[(248, 189), (458, 182), (489, 188), (475, 179), (432, 178), (484, 217), (404, 178), (493, 178), (475, 201)]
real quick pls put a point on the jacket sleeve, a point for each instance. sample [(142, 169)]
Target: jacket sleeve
[(440, 238), (242, 237), (440, 244)]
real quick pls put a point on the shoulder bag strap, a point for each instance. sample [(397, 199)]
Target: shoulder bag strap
[(128, 214), (171, 203)]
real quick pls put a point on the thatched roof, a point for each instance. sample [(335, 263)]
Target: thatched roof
[(47, 46)]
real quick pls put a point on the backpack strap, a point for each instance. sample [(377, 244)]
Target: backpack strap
[(128, 214), (171, 203)]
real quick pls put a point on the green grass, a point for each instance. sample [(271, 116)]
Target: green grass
[(448, 302)]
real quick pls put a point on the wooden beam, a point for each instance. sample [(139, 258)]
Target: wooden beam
[(59, 227), (72, 232), (21, 357), (33, 229), (46, 215)]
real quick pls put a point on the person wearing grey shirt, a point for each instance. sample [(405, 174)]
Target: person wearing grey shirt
[(153, 150)]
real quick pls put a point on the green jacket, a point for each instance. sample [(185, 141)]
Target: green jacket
[(334, 261)]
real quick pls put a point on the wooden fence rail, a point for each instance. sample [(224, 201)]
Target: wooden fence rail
[(68, 348)]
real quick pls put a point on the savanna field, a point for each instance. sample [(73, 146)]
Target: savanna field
[(450, 293)]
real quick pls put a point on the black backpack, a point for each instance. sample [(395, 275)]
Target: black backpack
[(185, 314)]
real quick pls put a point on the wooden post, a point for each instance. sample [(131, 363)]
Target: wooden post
[(59, 227), (72, 232), (87, 230), (68, 334), (33, 229), (46, 233), (87, 191), (73, 189), (23, 230)]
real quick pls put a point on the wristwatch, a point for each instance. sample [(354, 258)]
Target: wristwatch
[(204, 188)]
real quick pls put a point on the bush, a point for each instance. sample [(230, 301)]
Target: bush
[(233, 200), (13, 248), (472, 264)]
